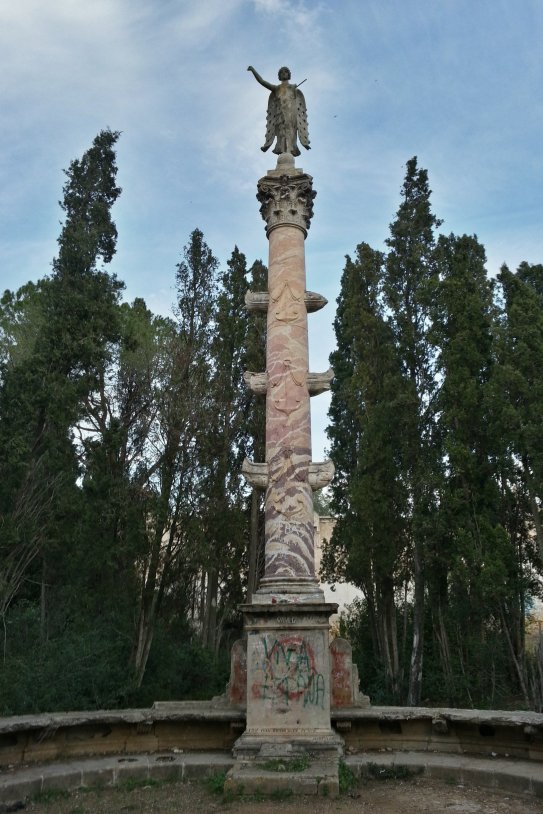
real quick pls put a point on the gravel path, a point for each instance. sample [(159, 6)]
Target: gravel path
[(418, 796)]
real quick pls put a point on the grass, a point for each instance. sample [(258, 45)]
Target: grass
[(215, 782), (138, 783), (50, 796), (292, 764), (347, 778)]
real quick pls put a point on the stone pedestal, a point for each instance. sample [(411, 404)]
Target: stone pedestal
[(288, 677), (288, 744)]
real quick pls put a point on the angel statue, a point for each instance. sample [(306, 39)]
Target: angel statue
[(287, 114)]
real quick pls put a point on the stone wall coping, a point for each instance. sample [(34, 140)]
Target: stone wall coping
[(455, 715), (161, 711), (206, 711)]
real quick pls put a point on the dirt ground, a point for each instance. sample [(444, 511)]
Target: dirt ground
[(417, 796)]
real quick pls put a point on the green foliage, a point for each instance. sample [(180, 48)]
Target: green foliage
[(50, 796), (75, 669), (298, 763), (347, 778), (180, 667), (132, 783), (436, 436), (87, 666), (215, 782)]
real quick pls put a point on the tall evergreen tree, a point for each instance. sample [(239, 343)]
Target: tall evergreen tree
[(470, 563), (368, 543), (410, 281), (520, 380), (227, 522), (44, 390)]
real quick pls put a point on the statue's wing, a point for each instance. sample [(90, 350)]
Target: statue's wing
[(301, 115), (271, 121)]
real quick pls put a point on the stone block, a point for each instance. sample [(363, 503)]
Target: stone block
[(97, 774), (17, 790), (131, 768), (341, 673), (61, 777), (166, 767), (194, 767)]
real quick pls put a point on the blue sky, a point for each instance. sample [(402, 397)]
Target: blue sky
[(456, 82)]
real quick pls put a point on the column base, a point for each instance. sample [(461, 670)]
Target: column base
[(277, 591)]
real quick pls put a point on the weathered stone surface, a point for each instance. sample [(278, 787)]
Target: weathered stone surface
[(320, 777), (257, 382), (519, 776), (320, 474), (237, 686), (318, 383), (288, 674), (256, 474), (344, 677), (259, 301), (341, 673), (199, 725), (286, 200)]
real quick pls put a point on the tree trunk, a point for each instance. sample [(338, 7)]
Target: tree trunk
[(415, 672), (209, 633)]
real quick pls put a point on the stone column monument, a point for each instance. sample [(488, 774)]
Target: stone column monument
[(287, 621)]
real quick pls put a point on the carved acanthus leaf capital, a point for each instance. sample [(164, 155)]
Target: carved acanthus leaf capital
[(287, 199)]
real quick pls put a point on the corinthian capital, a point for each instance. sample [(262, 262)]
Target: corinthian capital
[(286, 199)]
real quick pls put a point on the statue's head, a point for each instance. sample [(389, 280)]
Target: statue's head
[(284, 74)]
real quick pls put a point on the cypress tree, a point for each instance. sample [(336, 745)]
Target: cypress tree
[(409, 283)]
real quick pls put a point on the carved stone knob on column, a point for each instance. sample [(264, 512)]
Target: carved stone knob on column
[(320, 474), (319, 382), (255, 474), (257, 382), (259, 301)]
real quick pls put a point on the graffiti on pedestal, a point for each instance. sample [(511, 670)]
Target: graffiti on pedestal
[(286, 673)]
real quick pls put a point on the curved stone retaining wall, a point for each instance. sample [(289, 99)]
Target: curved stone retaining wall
[(201, 726)]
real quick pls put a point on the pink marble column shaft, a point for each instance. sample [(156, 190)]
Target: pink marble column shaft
[(289, 552)]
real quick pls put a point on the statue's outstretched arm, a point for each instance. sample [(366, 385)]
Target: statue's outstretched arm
[(259, 79)]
